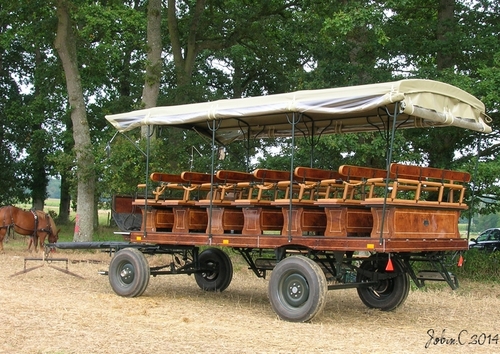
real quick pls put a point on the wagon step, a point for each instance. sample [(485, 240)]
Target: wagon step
[(265, 263), (434, 275)]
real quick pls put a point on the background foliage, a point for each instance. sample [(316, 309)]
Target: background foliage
[(225, 49)]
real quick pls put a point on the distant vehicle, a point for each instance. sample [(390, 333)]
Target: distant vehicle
[(488, 240)]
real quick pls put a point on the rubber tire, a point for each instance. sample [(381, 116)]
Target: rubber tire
[(388, 294), (297, 289), (218, 279), (129, 273)]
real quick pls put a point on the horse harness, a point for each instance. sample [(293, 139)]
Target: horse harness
[(47, 218), (7, 226)]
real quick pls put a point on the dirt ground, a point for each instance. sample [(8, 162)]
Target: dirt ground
[(48, 311)]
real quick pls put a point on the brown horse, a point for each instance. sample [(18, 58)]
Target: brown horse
[(34, 223)]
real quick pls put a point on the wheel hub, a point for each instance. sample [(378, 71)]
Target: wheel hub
[(127, 274), (295, 290)]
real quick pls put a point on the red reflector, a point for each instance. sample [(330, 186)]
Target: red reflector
[(389, 267), (460, 261)]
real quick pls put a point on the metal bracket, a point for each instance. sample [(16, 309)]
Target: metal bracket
[(46, 260)]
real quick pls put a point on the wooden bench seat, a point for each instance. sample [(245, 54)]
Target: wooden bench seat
[(188, 216), (223, 215), (420, 185), (158, 217), (306, 184), (422, 202), (176, 213), (345, 215), (351, 188), (300, 215), (165, 181), (231, 185), (262, 189), (194, 186)]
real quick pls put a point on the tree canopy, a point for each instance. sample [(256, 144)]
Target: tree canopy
[(126, 55)]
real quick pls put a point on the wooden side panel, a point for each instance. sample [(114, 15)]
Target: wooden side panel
[(259, 219), (421, 223), (158, 220), (188, 219), (224, 219), (346, 221), (302, 220), (164, 219), (123, 205)]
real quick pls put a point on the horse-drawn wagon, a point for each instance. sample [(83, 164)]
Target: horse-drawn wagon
[(314, 230)]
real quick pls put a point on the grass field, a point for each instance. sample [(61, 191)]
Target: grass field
[(104, 232), (48, 311)]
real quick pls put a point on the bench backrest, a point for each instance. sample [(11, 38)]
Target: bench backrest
[(229, 176), (315, 174), (265, 175), (198, 177), (361, 172), (423, 173), (166, 177)]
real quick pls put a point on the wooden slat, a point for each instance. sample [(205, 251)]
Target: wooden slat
[(166, 177), (362, 172), (315, 174), (197, 177), (397, 170), (265, 175), (229, 176)]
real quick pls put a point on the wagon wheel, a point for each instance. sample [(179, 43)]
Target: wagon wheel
[(220, 272), (297, 289), (387, 294), (129, 272)]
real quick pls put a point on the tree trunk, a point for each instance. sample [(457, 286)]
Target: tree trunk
[(65, 45), (446, 23), (184, 58), (38, 149), (64, 205), (153, 68)]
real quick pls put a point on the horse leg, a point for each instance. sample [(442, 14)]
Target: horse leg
[(31, 242), (2, 236), (35, 242), (42, 242)]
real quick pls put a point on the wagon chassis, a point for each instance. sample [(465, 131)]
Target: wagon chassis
[(300, 277), (340, 268)]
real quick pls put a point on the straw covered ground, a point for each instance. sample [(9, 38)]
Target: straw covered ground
[(48, 311)]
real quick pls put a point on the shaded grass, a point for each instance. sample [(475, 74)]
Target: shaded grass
[(104, 231), (480, 266)]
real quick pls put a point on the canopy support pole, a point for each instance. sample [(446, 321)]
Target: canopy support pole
[(146, 190), (293, 122), (213, 129), (388, 165)]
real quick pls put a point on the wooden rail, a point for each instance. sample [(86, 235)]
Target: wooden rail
[(422, 202)]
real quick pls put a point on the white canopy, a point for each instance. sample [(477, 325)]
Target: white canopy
[(422, 103)]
